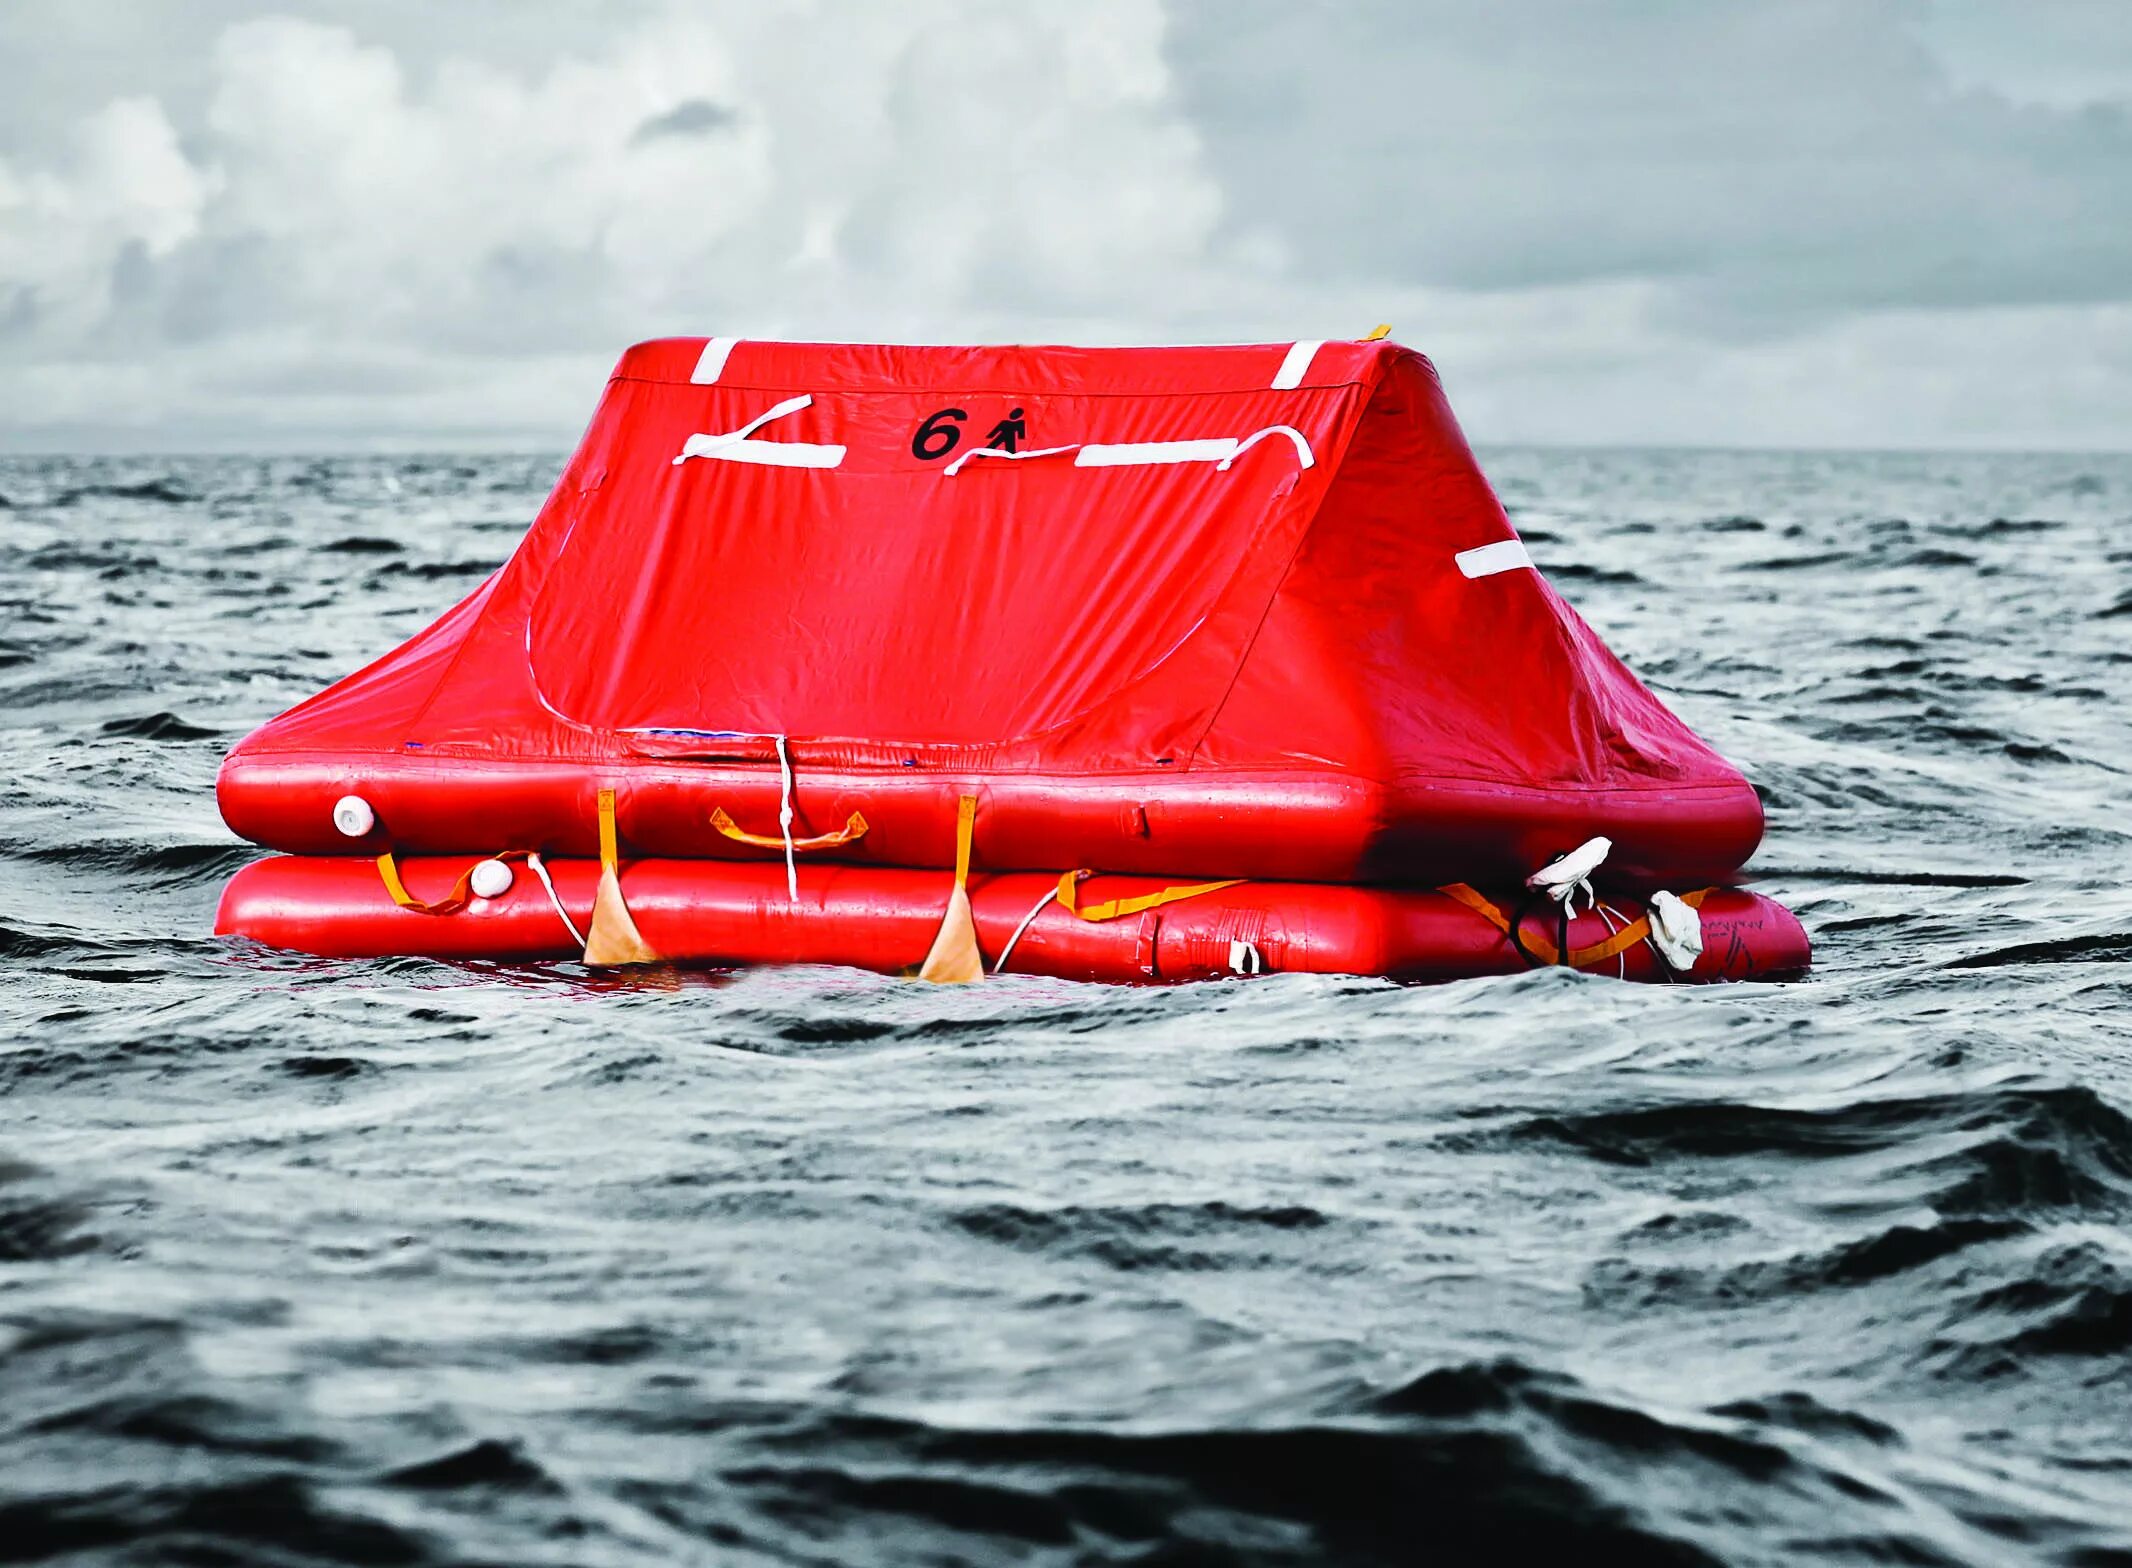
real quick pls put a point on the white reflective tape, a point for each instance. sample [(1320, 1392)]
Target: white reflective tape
[(712, 365), (1290, 375), (735, 447), (764, 454), (1124, 454), (1222, 450), (1505, 555)]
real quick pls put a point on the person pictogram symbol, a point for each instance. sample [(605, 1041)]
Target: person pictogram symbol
[(1008, 431)]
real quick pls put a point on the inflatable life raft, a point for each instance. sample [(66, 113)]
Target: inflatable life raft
[(1120, 664)]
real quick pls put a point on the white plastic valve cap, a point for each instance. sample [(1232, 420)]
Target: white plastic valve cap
[(353, 816), (491, 879)]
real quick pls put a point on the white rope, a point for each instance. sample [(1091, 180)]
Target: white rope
[(784, 821), (556, 898), (1008, 951)]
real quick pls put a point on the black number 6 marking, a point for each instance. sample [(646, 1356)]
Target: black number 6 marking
[(935, 439)]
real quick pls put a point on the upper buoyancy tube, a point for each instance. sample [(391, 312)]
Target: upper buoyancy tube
[(1245, 611)]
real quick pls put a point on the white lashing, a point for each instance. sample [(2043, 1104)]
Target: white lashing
[(1221, 451), (955, 467), (735, 447)]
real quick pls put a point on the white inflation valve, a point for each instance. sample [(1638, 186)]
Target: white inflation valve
[(1676, 931), (353, 817), (491, 879)]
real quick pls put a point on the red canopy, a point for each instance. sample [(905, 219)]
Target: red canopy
[(1263, 569)]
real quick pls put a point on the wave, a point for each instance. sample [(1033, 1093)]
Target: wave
[(161, 725), (168, 491), (38, 1224), (1617, 1283), (1192, 1237), (2107, 947), (363, 544), (2009, 1151)]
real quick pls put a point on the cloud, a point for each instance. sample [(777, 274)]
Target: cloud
[(692, 117), (898, 172), (1653, 221), (1765, 162), (126, 194)]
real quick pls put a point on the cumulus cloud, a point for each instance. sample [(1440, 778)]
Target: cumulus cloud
[(125, 191), (880, 171), (1666, 220)]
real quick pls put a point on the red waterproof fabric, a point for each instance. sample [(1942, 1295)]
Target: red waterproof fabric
[(1297, 647)]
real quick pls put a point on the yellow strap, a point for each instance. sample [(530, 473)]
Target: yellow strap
[(853, 829), (451, 903), (1069, 895), (1383, 329), (610, 854), (1543, 948), (965, 830)]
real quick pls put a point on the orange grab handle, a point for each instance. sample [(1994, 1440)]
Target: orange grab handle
[(852, 830), (451, 903), (1069, 897)]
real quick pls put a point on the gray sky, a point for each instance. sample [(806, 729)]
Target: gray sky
[(1817, 222)]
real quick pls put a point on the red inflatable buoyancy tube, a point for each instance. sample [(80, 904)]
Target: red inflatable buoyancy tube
[(880, 918)]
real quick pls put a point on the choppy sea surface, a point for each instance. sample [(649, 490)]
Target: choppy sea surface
[(403, 1263)]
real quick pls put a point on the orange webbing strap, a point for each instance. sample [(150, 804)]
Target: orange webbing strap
[(855, 828), (1069, 886), (612, 939), (451, 903), (955, 958), (1543, 947), (965, 831), (610, 852)]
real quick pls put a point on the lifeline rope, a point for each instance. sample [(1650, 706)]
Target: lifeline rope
[(569, 925), (784, 821), (1036, 909)]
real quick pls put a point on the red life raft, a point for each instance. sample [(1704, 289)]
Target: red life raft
[(1242, 612)]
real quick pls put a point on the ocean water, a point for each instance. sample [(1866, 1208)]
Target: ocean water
[(402, 1263)]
